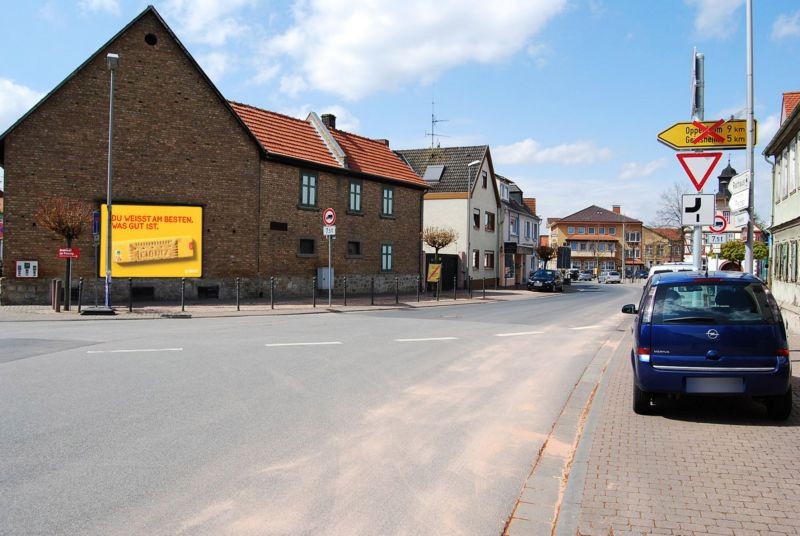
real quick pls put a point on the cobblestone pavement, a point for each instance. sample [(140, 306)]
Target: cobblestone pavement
[(698, 466)]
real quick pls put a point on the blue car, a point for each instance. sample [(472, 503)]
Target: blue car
[(710, 333)]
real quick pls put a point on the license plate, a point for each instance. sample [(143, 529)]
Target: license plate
[(537, 283), (715, 385)]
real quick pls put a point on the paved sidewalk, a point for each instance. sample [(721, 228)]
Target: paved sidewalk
[(712, 466)]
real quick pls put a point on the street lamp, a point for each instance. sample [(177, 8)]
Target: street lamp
[(112, 60)]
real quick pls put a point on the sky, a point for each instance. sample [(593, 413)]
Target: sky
[(570, 95)]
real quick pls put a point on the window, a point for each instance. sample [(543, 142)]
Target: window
[(306, 247), (484, 179), (528, 229), (583, 246), (386, 257), (601, 246), (503, 191), (601, 230), (489, 221), (634, 236), (513, 224), (308, 189), (488, 260), (660, 250), (612, 230), (591, 230), (581, 230), (570, 230), (573, 246), (353, 248), (476, 259), (476, 218), (648, 250), (354, 203), (388, 201)]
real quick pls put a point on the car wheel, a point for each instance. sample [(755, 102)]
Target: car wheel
[(780, 407), (641, 401)]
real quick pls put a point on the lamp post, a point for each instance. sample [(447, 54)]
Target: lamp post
[(112, 60)]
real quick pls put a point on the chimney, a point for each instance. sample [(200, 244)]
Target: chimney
[(530, 202), (383, 141), (616, 209), (329, 120)]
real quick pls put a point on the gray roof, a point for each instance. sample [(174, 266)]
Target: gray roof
[(595, 214), (454, 160)]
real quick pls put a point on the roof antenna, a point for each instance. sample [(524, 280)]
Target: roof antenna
[(434, 121)]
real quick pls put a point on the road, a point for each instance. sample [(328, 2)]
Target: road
[(423, 421)]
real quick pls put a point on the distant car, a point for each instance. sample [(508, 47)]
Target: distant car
[(710, 333), (586, 275), (611, 276), (574, 273), (640, 274), (546, 280)]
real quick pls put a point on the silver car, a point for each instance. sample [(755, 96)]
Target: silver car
[(611, 276)]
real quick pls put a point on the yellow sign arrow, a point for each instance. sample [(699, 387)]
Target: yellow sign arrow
[(719, 134)]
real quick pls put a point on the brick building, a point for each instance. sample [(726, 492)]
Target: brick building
[(178, 142)]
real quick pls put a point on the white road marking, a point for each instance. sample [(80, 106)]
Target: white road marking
[(302, 343), (134, 350), (518, 333), (428, 339), (585, 327)]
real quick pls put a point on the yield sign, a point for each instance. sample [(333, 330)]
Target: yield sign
[(699, 166)]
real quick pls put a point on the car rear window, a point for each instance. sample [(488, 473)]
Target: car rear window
[(713, 302)]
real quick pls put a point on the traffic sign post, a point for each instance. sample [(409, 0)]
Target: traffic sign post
[(718, 134), (740, 200), (329, 231), (739, 183)]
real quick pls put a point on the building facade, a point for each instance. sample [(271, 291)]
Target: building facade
[(519, 234), (177, 142)]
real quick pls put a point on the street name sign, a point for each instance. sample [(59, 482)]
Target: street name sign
[(699, 166), (739, 183), (740, 200), (69, 253), (697, 209), (740, 219), (718, 134)]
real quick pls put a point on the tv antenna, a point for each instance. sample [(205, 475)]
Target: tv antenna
[(434, 122)]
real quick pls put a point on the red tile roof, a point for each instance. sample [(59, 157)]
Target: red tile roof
[(283, 135), (374, 157), (530, 202), (790, 100), (669, 233)]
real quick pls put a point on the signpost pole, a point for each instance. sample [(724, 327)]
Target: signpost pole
[(748, 250), (699, 96), (330, 278)]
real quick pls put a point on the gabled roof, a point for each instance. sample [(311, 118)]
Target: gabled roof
[(454, 159), (298, 139), (595, 214), (148, 10), (789, 126), (790, 101), (668, 232)]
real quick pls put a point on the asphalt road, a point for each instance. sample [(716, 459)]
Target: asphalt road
[(421, 421)]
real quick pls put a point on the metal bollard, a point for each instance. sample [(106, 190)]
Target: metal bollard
[(58, 287), (396, 290), (418, 289), (344, 282), (272, 292), (80, 294), (484, 288), (237, 293), (314, 291), (183, 294), (372, 291), (438, 288), (455, 287), (130, 294), (469, 286)]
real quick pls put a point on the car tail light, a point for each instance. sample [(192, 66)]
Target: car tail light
[(644, 354), (783, 352), (647, 314)]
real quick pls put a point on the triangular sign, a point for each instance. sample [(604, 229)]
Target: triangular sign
[(699, 166)]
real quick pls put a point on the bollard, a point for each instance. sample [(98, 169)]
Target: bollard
[(314, 291), (53, 294), (237, 293), (272, 292), (484, 288), (58, 295), (183, 294), (418, 289), (455, 288), (372, 291), (396, 290), (130, 294), (438, 288), (469, 286), (80, 294), (344, 282)]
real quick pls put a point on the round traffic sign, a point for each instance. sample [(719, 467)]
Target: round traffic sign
[(329, 216), (720, 224)]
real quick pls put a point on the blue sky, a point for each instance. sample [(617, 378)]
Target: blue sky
[(569, 94)]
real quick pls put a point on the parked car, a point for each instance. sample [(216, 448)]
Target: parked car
[(640, 274), (586, 275), (546, 280), (574, 273), (719, 333), (671, 267), (611, 276)]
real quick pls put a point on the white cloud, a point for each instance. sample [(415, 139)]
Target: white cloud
[(210, 22), (635, 170), (786, 26), (15, 100), (530, 151), (216, 65), (109, 6), (715, 18), (353, 48), (767, 129)]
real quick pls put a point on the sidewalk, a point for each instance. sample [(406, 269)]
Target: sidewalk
[(711, 466), (225, 308)]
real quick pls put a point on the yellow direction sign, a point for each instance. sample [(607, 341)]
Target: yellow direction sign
[(718, 134)]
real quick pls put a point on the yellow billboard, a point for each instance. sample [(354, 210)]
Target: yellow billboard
[(152, 241)]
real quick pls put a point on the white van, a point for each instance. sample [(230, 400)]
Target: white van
[(671, 267)]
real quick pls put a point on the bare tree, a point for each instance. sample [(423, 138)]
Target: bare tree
[(670, 211), (66, 218), (438, 238)]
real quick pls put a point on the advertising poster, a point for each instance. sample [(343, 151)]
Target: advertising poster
[(152, 241)]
